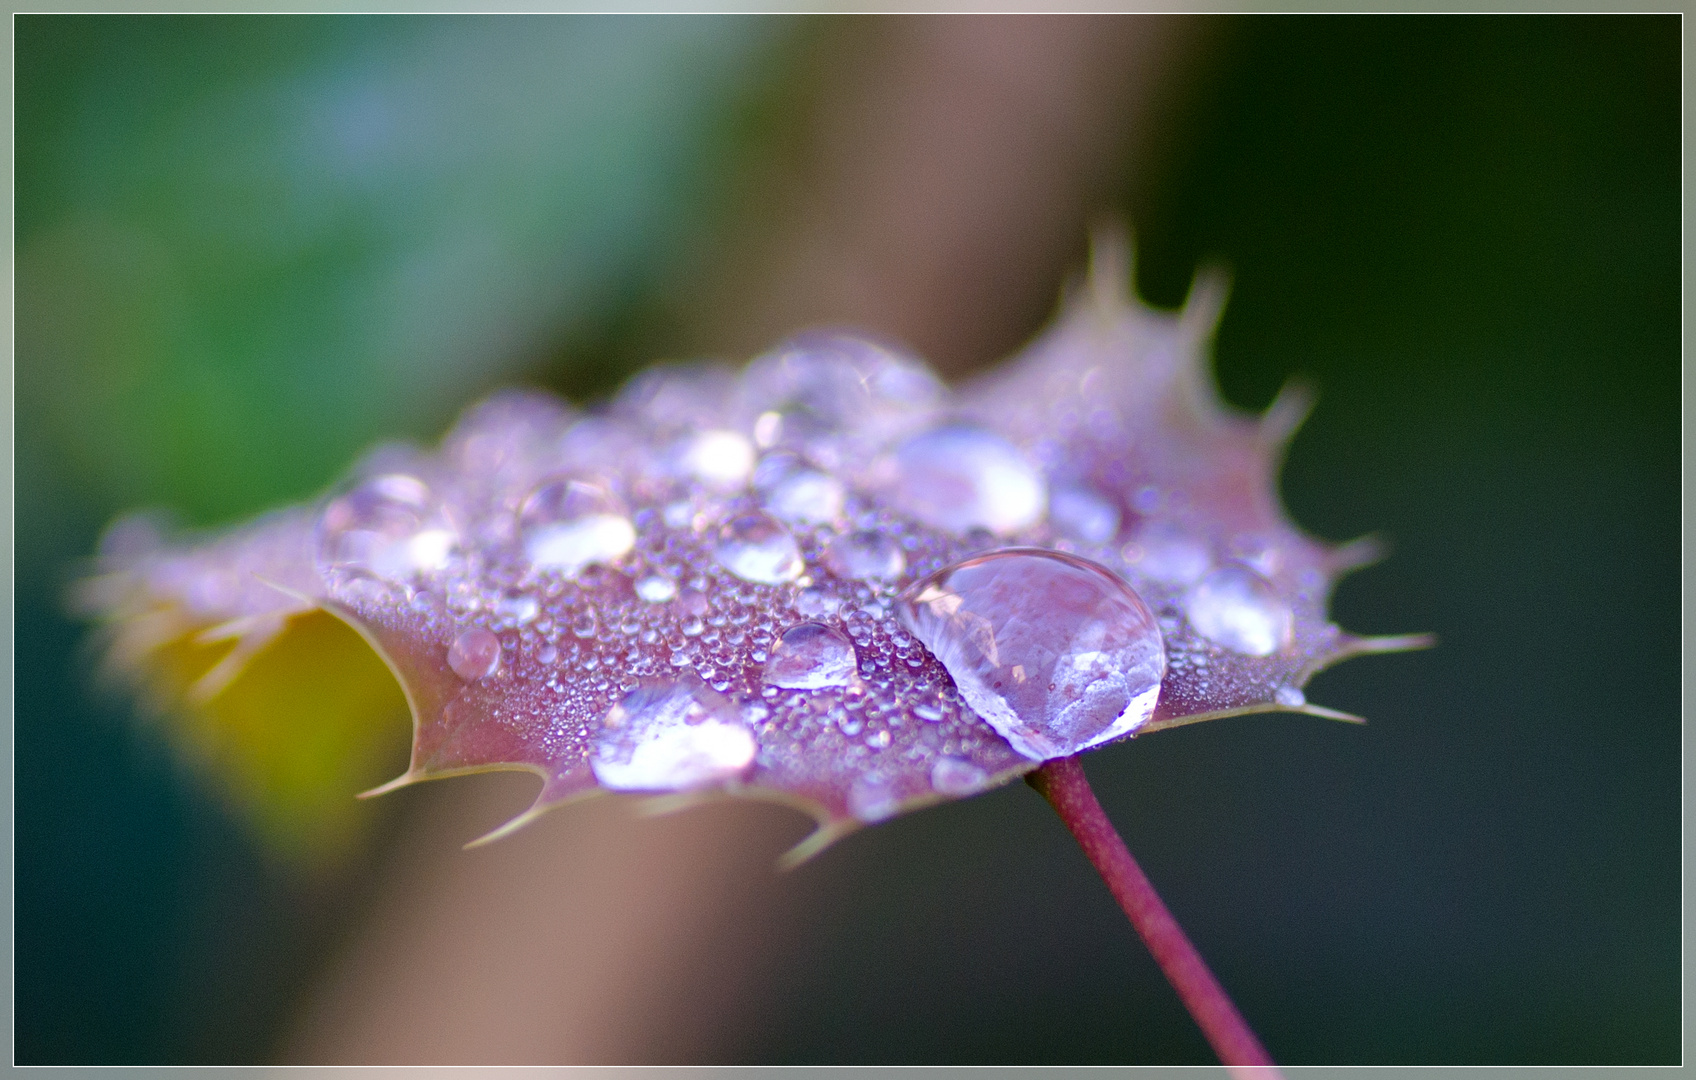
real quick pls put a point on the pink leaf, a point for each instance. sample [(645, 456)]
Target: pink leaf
[(825, 579)]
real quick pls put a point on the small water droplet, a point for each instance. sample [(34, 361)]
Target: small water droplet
[(519, 609), (824, 387), (1012, 623), (1167, 554), (806, 496), (957, 777), (878, 740), (1237, 608), (815, 604), (671, 736), (1290, 696), (387, 526), (1083, 515), (961, 478), (570, 524), (811, 656), (872, 799), (656, 589), (584, 624), (719, 458), (547, 654), (474, 654), (756, 547), (866, 555)]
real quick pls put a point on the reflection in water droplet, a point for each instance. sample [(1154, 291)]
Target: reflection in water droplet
[(806, 496), (1056, 652), (474, 654), (1080, 514), (1290, 696), (961, 478), (656, 589), (723, 459), (755, 547), (1237, 608), (570, 524), (387, 526), (811, 656), (957, 777), (866, 555), (671, 736)]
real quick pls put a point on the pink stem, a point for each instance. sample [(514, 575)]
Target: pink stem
[(1063, 784)]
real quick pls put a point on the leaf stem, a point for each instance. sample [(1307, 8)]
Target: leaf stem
[(1063, 784)]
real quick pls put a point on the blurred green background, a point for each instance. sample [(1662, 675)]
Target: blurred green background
[(248, 247)]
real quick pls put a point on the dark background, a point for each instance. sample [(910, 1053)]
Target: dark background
[(1465, 232)]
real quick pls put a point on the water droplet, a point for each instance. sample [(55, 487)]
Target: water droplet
[(824, 389), (1167, 554), (1083, 515), (957, 777), (961, 478), (547, 654), (671, 736), (584, 624), (878, 740), (1056, 652), (755, 547), (474, 654), (811, 656), (656, 589), (570, 524), (814, 604), (1239, 609), (872, 799), (519, 609), (720, 458), (387, 526), (1290, 696), (866, 555), (807, 496)]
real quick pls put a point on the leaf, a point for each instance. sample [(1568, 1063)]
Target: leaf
[(725, 582)]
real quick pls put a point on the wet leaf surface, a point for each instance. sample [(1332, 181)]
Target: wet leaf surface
[(824, 578)]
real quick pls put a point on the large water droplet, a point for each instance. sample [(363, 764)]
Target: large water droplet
[(569, 524), (961, 477), (1239, 609), (811, 656), (1056, 652), (474, 654), (671, 736), (719, 458), (756, 547), (866, 555), (388, 526)]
